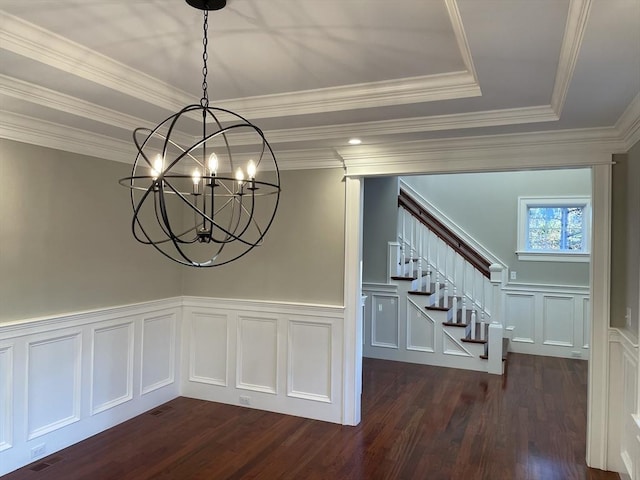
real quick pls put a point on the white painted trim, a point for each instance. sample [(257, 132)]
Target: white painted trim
[(171, 377), (31, 41), (6, 400), (525, 202), (129, 325), (561, 149), (61, 102), (19, 336), (385, 163), (577, 20), (538, 287), (461, 37), (423, 314), (240, 383), (380, 288), (63, 320), (628, 125), (191, 336), (266, 306), (290, 361), (598, 381), (353, 322), (569, 257), (76, 338), (372, 340)]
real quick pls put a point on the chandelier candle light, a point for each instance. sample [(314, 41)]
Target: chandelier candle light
[(190, 196)]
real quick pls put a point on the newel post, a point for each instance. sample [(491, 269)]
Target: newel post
[(393, 259), (496, 327)]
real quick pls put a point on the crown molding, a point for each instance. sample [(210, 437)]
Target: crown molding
[(32, 93), (36, 43), (461, 37), (52, 135), (428, 88), (309, 159), (24, 129), (558, 149), (33, 42), (577, 19), (456, 121), (628, 125)]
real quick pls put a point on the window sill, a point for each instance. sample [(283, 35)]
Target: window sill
[(553, 257)]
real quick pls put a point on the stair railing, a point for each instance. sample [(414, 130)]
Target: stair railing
[(426, 245)]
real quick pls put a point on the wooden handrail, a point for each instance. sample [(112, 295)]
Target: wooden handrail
[(443, 232)]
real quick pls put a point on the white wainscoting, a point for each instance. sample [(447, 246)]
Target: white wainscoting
[(624, 405), (547, 320), (67, 377), (280, 357)]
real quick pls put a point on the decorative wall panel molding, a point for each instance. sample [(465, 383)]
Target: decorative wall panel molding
[(6, 397), (558, 320), (284, 357), (623, 438), (384, 321), (53, 383), (112, 366), (547, 320), (209, 341), (65, 378), (519, 315), (158, 352), (420, 329), (310, 363), (258, 347)]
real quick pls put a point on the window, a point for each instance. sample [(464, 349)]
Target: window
[(554, 228)]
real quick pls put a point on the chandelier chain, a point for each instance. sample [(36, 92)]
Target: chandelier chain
[(205, 56)]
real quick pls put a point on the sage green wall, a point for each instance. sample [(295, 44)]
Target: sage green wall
[(485, 206), (65, 241), (302, 258), (625, 240), (379, 226)]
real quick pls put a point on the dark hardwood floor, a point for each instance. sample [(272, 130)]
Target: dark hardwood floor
[(419, 422)]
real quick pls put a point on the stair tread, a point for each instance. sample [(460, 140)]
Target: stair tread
[(455, 324), (478, 331)]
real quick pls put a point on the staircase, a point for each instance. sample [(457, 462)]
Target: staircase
[(449, 298)]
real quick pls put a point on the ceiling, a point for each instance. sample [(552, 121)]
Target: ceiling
[(80, 75)]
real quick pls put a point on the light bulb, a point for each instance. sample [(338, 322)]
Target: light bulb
[(239, 175), (195, 176), (157, 167), (213, 164), (251, 169)]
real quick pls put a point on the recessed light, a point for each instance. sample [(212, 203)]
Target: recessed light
[(355, 141)]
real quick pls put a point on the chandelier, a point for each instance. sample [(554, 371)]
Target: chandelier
[(203, 199)]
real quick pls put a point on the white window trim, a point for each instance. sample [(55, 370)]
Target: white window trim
[(553, 256)]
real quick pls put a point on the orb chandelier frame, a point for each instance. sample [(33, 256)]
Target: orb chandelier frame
[(190, 196)]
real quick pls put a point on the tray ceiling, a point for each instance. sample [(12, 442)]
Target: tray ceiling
[(80, 75)]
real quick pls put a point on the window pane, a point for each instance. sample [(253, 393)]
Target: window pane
[(554, 229)]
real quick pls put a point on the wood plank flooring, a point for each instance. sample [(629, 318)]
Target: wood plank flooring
[(419, 422)]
